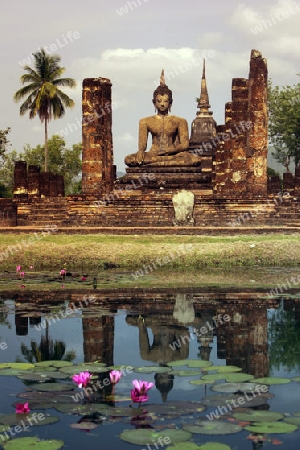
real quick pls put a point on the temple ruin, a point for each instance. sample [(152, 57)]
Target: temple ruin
[(222, 167)]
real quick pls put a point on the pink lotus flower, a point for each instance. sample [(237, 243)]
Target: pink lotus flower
[(83, 278), (142, 386), (115, 376), (136, 397), (22, 286), (139, 393), (22, 408), (22, 274), (31, 267), (18, 268), (82, 379)]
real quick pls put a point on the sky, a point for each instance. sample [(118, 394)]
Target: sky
[(129, 42)]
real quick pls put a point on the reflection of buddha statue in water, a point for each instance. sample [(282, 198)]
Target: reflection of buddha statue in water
[(170, 138)]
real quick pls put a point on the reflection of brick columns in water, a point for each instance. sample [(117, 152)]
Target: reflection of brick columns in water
[(98, 339), (246, 338), (206, 338)]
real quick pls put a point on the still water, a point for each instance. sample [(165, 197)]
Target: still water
[(159, 328)]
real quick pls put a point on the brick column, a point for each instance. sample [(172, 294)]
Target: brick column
[(97, 155), (34, 181), (20, 180), (257, 148)]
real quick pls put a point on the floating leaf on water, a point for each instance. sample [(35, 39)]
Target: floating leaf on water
[(213, 377), (232, 388), (147, 436), (33, 376), (179, 363), (198, 382), (212, 427), (53, 387), (233, 399), (184, 446), (10, 372), (84, 425), (238, 377), (185, 373), (271, 427), (259, 416), (30, 443), (296, 379), (272, 380), (151, 369), (89, 408), (28, 419), (3, 428), (17, 366), (93, 368), (293, 420), (214, 446), (223, 369), (199, 364), (53, 363)]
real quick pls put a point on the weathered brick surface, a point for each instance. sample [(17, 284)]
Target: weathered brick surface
[(97, 155), (246, 149)]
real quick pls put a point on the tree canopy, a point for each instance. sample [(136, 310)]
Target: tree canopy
[(45, 99), (4, 142), (284, 123)]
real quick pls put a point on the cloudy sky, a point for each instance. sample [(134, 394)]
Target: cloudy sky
[(129, 42)]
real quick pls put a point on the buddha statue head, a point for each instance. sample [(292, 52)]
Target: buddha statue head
[(162, 92)]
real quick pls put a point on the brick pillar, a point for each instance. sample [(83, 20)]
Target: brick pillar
[(98, 339), (34, 181), (274, 184), (288, 182), (45, 184), (60, 186), (20, 180), (257, 148), (97, 155), (53, 185)]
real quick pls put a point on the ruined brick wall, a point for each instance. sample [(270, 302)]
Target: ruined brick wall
[(240, 160), (97, 155)]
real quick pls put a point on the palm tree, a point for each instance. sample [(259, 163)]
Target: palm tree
[(45, 98)]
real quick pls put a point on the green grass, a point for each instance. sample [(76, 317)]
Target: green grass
[(92, 252)]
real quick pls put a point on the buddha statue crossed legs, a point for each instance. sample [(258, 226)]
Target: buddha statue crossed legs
[(170, 139)]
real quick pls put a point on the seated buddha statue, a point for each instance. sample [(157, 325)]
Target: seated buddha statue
[(170, 137)]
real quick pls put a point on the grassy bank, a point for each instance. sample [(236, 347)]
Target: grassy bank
[(95, 252)]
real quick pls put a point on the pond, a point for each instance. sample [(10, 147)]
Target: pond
[(203, 349)]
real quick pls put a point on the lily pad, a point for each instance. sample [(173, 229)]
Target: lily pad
[(42, 377), (223, 369), (293, 420), (184, 446), (17, 366), (199, 364), (10, 372), (53, 387), (53, 363), (93, 368), (272, 380), (232, 388), (147, 436), (213, 377), (84, 425), (238, 377), (214, 446), (259, 416), (29, 443), (296, 379), (185, 373), (179, 363), (233, 399), (212, 427), (198, 382), (28, 419), (271, 427), (151, 369)]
